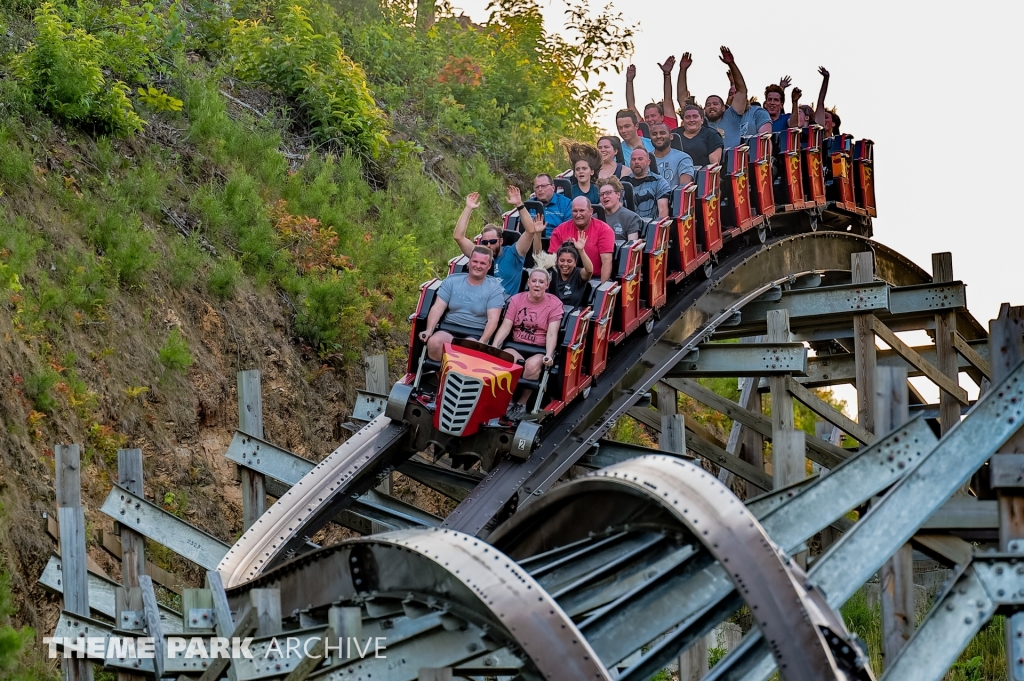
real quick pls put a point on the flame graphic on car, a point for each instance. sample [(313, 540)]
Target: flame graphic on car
[(493, 377)]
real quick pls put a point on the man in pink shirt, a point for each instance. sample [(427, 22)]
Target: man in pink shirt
[(600, 237)]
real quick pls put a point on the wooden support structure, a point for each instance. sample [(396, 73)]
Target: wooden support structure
[(435, 674), (133, 544), (948, 386), (788, 445), (829, 413), (377, 382), (863, 272), (828, 455), (946, 359), (1006, 350), (896, 578), (267, 605), (72, 546), (965, 350), (250, 421)]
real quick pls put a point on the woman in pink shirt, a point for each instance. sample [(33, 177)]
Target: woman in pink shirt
[(533, 318)]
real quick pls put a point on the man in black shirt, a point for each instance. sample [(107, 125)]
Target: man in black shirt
[(704, 144)]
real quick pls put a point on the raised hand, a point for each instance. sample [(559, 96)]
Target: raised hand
[(668, 65), (473, 201), (685, 61), (630, 72), (785, 82), (514, 196), (727, 57), (581, 241), (823, 71), (796, 94)]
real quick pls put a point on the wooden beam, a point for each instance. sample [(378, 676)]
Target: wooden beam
[(829, 413), (246, 627), (1006, 349), (113, 545), (946, 548), (946, 360), (73, 555), (133, 544), (968, 353), (710, 450), (896, 578), (828, 455), (947, 384), (377, 382), (862, 266), (250, 421)]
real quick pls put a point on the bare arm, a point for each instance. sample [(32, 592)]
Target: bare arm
[(794, 116), (503, 331), (551, 341), (819, 112), (606, 267), (630, 97), (530, 229), (739, 100), (767, 127), (666, 70), (715, 157), (681, 90), (493, 317), (466, 245), (433, 317), (684, 179), (585, 261), (663, 206)]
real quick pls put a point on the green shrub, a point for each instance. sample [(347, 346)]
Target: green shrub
[(125, 244), (186, 262), (37, 389), (290, 56), (223, 278), (62, 71), (15, 643), (18, 243), (15, 160), (332, 313), (174, 354)]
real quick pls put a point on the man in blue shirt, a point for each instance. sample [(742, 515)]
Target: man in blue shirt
[(774, 96), (625, 122), (675, 166), (508, 262), (557, 207), (739, 119)]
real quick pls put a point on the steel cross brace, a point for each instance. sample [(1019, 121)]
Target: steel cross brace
[(992, 581), (851, 561)]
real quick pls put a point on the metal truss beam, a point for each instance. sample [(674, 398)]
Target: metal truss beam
[(827, 370), (828, 305), (164, 528), (742, 359), (286, 469), (947, 384)]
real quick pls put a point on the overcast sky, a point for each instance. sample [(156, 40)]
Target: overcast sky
[(929, 86)]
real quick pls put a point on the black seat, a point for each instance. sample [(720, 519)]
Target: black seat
[(644, 128), (532, 205), (563, 186), (677, 141), (627, 196), (598, 211)]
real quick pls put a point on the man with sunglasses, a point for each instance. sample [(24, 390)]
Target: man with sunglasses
[(557, 207), (508, 262)]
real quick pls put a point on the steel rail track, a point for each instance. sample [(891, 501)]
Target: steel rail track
[(691, 315)]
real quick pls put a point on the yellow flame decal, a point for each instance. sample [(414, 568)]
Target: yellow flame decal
[(631, 288), (794, 163), (503, 380)]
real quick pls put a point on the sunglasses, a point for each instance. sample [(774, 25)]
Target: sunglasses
[(489, 242)]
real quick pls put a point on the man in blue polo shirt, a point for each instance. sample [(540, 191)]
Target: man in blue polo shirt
[(738, 119), (557, 207)]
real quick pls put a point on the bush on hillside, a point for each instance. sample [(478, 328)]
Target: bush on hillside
[(310, 67), (61, 71)]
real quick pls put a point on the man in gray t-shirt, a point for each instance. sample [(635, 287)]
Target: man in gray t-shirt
[(623, 221), (472, 300), (673, 165)]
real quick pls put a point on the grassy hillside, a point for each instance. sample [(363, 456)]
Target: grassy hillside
[(188, 189)]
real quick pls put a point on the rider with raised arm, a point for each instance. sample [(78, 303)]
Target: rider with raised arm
[(774, 101), (655, 112), (739, 119), (573, 269), (508, 262), (473, 301)]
